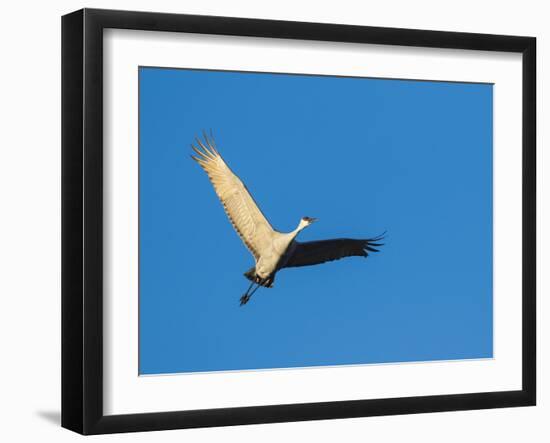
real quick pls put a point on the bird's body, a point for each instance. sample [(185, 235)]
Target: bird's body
[(274, 256), (272, 250)]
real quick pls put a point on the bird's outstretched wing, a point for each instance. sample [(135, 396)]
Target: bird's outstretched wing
[(239, 205), (316, 252)]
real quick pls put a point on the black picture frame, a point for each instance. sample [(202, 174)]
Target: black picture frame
[(82, 220)]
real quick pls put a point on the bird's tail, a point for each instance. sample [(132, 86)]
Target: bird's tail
[(251, 275)]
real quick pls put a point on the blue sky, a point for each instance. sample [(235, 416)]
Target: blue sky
[(364, 156)]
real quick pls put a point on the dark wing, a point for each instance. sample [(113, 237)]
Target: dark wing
[(316, 252)]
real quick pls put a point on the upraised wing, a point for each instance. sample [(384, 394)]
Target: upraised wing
[(239, 205), (316, 252)]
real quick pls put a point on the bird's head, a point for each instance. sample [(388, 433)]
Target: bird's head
[(305, 222)]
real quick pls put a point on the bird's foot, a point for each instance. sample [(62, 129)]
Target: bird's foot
[(244, 299)]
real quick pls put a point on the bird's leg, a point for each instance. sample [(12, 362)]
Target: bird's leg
[(250, 287), (247, 294), (268, 282), (254, 290)]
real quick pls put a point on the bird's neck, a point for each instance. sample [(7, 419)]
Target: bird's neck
[(302, 225)]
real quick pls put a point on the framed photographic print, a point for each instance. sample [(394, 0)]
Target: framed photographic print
[(269, 221)]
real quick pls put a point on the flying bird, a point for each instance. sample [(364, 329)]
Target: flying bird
[(272, 250)]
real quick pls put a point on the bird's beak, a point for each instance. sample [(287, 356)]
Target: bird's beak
[(313, 219)]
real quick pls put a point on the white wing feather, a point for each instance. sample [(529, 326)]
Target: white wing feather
[(239, 205)]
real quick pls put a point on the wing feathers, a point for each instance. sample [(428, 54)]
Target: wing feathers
[(316, 252), (240, 207)]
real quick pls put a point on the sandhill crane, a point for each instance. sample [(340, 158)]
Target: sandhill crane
[(272, 250)]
